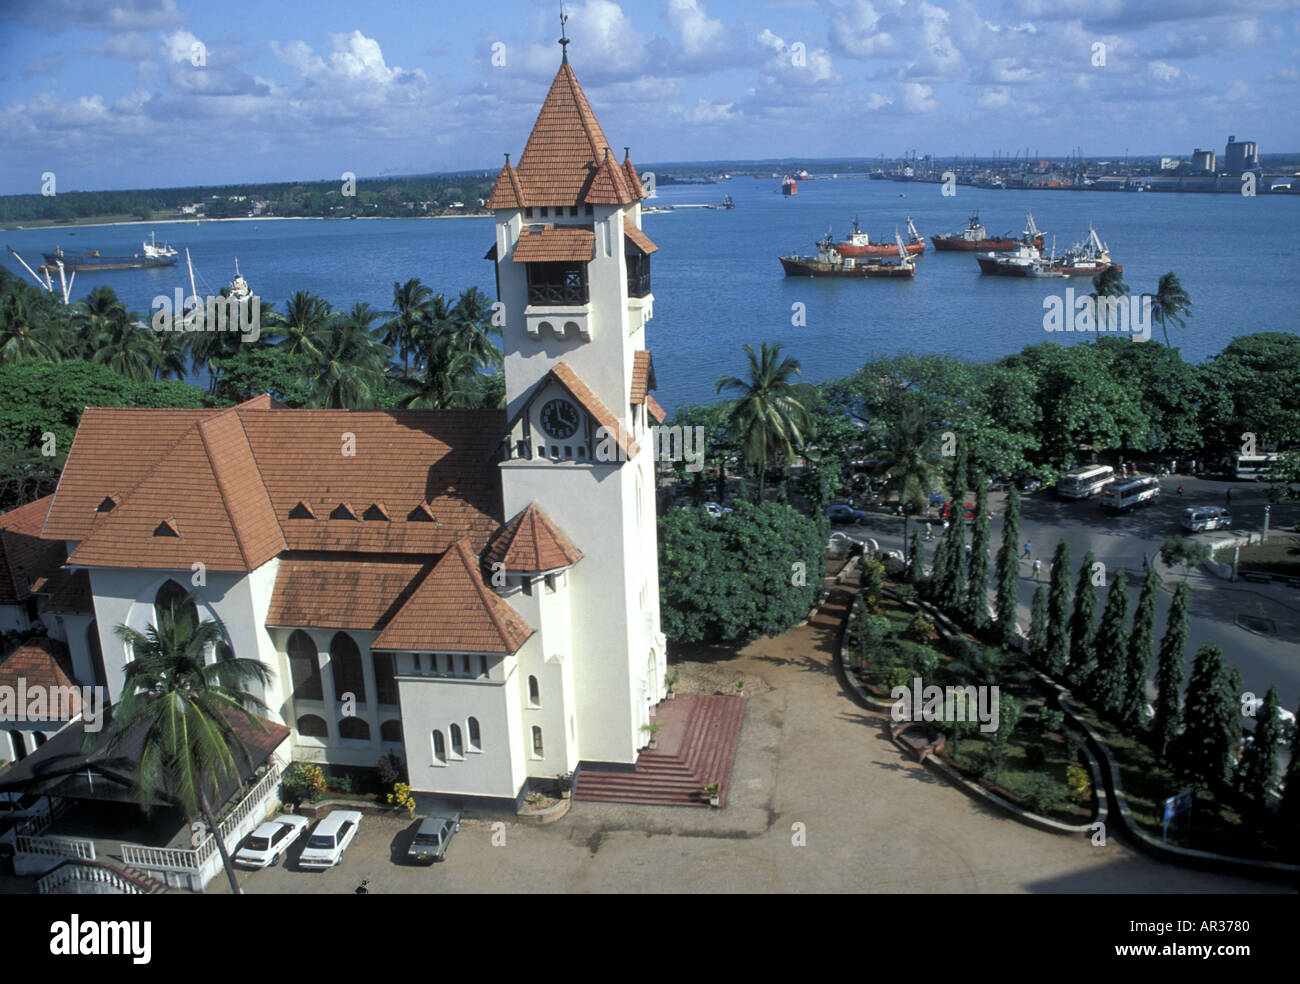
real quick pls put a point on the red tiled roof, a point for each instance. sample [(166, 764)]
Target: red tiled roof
[(639, 239), (629, 172), (551, 243), (531, 542), (655, 409), (228, 481), (565, 159), (24, 556), (507, 192), (67, 592), (643, 376), (40, 663), (452, 610), (579, 390), (341, 592)]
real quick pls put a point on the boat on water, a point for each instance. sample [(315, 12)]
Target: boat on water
[(151, 255), (830, 263), (975, 238), (725, 203), (1087, 259), (859, 243), (789, 186)]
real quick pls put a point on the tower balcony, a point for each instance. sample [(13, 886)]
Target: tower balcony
[(560, 320)]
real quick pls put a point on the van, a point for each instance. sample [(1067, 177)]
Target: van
[(1123, 496), (1198, 519)]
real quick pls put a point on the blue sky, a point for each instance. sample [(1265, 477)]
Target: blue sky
[(105, 93)]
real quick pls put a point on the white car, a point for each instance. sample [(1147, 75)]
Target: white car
[(266, 845), (1286, 717), (330, 839)]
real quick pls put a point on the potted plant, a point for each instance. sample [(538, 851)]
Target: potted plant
[(711, 791), (653, 727), (401, 797), (670, 681), (565, 786)]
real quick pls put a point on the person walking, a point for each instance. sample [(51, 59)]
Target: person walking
[(1038, 566), (929, 531), (1180, 490), (1028, 549)]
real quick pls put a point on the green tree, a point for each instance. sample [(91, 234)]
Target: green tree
[(1083, 625), (1109, 283), (1140, 642), (1180, 550), (256, 369), (1057, 656), (916, 560), (1008, 564), (1107, 686), (907, 460), (30, 329), (1204, 752), (977, 589), (1169, 673), (1038, 625), (767, 418), (1258, 772), (1009, 712), (188, 711), (348, 371), (413, 316), (1170, 303), (470, 329), (949, 582), (942, 575), (305, 318)]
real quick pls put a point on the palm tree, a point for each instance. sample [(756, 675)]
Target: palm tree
[(29, 330), (768, 419), (304, 318), (187, 709), (1170, 303), (412, 317), (909, 460), (1108, 283), (446, 382), (349, 372), (117, 338), (470, 328)]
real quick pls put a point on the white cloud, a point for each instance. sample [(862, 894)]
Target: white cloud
[(700, 34), (1163, 71), (709, 112), (916, 97)]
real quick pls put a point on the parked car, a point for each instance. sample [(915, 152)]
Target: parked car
[(266, 845), (845, 514), (937, 497), (1198, 519), (330, 839), (432, 838), (715, 510)]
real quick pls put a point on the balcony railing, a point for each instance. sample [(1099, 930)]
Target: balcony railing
[(551, 294), (638, 285)]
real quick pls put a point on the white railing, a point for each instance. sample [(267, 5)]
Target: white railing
[(67, 847), (162, 858), (34, 826), (98, 873), (250, 803)]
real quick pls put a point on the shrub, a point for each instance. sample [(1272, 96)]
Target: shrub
[(1035, 756), (303, 782), (871, 634), (920, 627), (906, 593), (1073, 743), (401, 795), (872, 581), (391, 769), (1042, 793), (342, 784), (1078, 782), (1051, 722)]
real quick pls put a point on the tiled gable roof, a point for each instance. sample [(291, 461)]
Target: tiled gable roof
[(42, 663), (655, 409), (452, 610), (629, 173), (643, 376), (588, 400), (565, 159), (24, 556), (66, 592), (552, 243), (639, 239), (341, 592), (532, 543), (507, 192)]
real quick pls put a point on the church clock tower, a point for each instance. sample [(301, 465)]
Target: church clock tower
[(573, 275)]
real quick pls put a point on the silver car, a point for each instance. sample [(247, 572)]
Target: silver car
[(1198, 519), (432, 838)]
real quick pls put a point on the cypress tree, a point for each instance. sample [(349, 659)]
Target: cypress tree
[(1140, 641), (1009, 571), (960, 474), (916, 560), (1083, 625), (948, 593), (1204, 753), (1108, 680), (1038, 625), (1058, 611), (940, 574), (977, 588), (1169, 673), (1259, 760)]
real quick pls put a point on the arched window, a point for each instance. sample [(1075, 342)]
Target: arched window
[(390, 730), (537, 741), (354, 728), (312, 726), (174, 601), (475, 738), (385, 681), (457, 746), (439, 749), (304, 667), (345, 664), (534, 692)]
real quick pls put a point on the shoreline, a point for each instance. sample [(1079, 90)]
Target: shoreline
[(237, 218)]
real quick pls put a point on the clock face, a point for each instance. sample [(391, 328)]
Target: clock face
[(560, 419)]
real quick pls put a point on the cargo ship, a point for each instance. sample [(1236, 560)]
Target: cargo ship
[(151, 255), (859, 244), (975, 238), (789, 186), (1088, 259), (829, 263)]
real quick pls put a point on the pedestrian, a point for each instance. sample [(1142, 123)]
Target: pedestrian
[(1180, 490), (1038, 566), (929, 531), (1227, 499), (1144, 562), (1124, 469), (1028, 550)]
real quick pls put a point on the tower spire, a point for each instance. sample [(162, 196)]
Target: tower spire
[(564, 41)]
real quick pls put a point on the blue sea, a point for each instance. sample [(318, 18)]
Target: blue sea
[(718, 284)]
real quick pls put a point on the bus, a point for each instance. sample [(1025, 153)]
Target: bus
[(1125, 495), (1251, 467), (1080, 483)]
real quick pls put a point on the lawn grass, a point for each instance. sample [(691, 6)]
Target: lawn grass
[(1281, 555)]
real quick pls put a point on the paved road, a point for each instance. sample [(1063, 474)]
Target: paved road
[(873, 820)]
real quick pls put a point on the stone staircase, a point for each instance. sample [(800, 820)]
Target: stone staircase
[(696, 745)]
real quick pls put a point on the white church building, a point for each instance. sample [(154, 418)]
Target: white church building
[(476, 591)]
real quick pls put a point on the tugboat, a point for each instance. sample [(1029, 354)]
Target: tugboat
[(1018, 262), (789, 186), (975, 238), (859, 244), (151, 255), (829, 263), (1087, 259)]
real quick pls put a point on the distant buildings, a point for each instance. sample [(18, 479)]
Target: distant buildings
[(1203, 161), (1239, 157)]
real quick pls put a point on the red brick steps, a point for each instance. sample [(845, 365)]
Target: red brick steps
[(696, 745)]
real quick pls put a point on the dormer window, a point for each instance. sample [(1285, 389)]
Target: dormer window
[(376, 512), (343, 511), (420, 514), (166, 528), (301, 511), (108, 504)]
